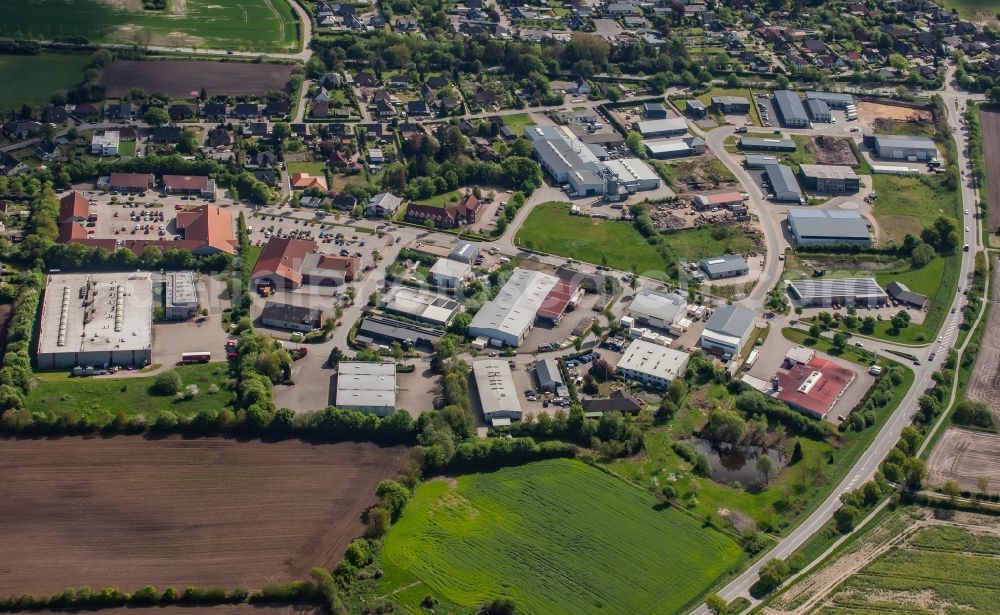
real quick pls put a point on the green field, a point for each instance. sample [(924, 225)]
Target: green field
[(905, 205), (549, 228), (708, 241), (444, 199), (105, 397), (974, 9), (555, 537), (256, 25), (312, 168), (517, 122), (31, 80)]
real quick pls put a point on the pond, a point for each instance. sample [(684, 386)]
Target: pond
[(738, 464)]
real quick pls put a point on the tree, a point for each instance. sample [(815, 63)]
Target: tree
[(845, 517), (188, 142), (922, 254), (868, 325), (952, 490), (155, 116), (377, 522), (168, 383), (393, 496), (500, 606), (814, 331), (765, 465), (796, 453), (983, 484), (716, 604), (839, 340), (281, 131), (900, 321), (634, 142), (724, 426), (772, 574), (460, 324)]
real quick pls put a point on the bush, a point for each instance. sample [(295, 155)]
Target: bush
[(168, 383)]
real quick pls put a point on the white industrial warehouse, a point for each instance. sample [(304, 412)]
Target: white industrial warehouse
[(506, 319), (652, 364), (367, 387), (497, 392), (420, 304)]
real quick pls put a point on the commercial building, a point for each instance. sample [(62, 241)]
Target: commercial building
[(731, 104), (105, 144), (496, 390), (830, 179), (180, 296), (818, 110), (895, 147), (452, 215), (618, 401), (758, 161), (790, 108), (832, 226), (449, 273), (784, 187), (130, 182), (328, 269), (419, 304), (669, 127), (367, 387), (634, 174), (762, 143), (675, 148), (728, 330), (280, 264), (813, 387), (652, 364), (207, 229), (835, 100), (506, 319), (96, 320), (657, 309), (200, 185), (73, 207), (654, 111), (721, 267), (824, 292), (565, 295), (901, 293), (383, 205), (696, 109), (548, 375), (464, 253), (376, 329), (720, 198), (291, 317)]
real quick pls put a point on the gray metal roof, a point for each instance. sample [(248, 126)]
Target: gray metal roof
[(763, 143), (790, 106), (901, 292), (782, 179), (825, 223), (904, 142), (759, 160), (827, 171), (730, 263), (859, 288), (731, 320), (816, 107), (830, 97), (730, 100), (548, 373)]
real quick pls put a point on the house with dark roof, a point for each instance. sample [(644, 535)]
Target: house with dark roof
[(180, 112), (53, 114), (618, 401), (268, 176), (450, 216), (278, 108), (165, 134), (417, 108), (365, 79), (219, 136), (245, 111), (214, 110)]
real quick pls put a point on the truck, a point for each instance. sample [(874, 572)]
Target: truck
[(196, 357)]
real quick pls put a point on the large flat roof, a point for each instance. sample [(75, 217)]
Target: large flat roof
[(448, 268), (655, 304), (790, 106), (836, 287), (828, 223), (767, 143), (731, 320), (495, 383), (366, 384), (97, 312), (632, 169), (904, 141), (421, 304), (814, 387), (514, 308), (671, 124), (653, 359), (830, 97), (730, 263), (827, 171), (782, 179)]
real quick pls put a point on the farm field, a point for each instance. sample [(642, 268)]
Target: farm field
[(222, 609), (554, 536), (128, 511), (253, 25), (979, 10), (549, 228), (178, 78), (965, 457), (93, 398), (31, 80), (989, 120)]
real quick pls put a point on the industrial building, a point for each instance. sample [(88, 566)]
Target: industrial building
[(820, 226), (291, 317), (96, 320), (721, 267), (829, 179), (731, 104), (565, 295), (895, 147), (449, 273), (728, 330), (758, 161), (180, 295), (784, 186), (633, 174), (201, 185), (813, 387), (497, 393), (763, 143), (901, 293), (790, 108), (420, 304), (618, 401), (835, 100), (506, 319), (548, 375), (824, 292), (569, 160), (657, 309), (818, 110), (654, 111), (718, 198), (652, 364), (675, 148), (464, 253), (366, 386), (696, 109), (375, 329), (669, 127)]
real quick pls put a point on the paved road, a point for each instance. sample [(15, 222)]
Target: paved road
[(865, 467)]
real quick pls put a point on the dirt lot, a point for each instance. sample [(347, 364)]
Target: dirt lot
[(990, 121), (178, 78), (985, 383), (831, 150), (869, 113), (127, 512)]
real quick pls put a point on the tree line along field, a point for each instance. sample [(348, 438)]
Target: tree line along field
[(31, 80), (556, 537), (126, 511), (253, 25)]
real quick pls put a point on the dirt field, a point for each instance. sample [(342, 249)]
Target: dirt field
[(990, 128), (830, 150), (965, 456), (127, 512), (984, 385), (869, 112), (179, 78)]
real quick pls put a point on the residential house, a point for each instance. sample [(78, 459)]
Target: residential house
[(214, 111), (278, 108), (165, 134), (383, 205), (53, 114), (219, 137), (246, 111), (180, 112), (448, 216)]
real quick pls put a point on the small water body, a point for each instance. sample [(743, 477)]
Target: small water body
[(738, 463)]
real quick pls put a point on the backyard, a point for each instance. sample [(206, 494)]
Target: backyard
[(31, 80), (554, 536)]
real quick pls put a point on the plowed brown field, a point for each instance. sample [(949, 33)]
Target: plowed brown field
[(127, 512)]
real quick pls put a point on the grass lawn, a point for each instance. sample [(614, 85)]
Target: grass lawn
[(443, 199), (339, 181), (57, 393), (312, 168), (706, 99), (556, 537), (937, 280), (549, 228), (517, 122), (908, 204), (693, 244), (250, 24), (126, 149), (31, 80)]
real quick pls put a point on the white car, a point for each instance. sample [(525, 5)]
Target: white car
[(966, 229), (967, 212)]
